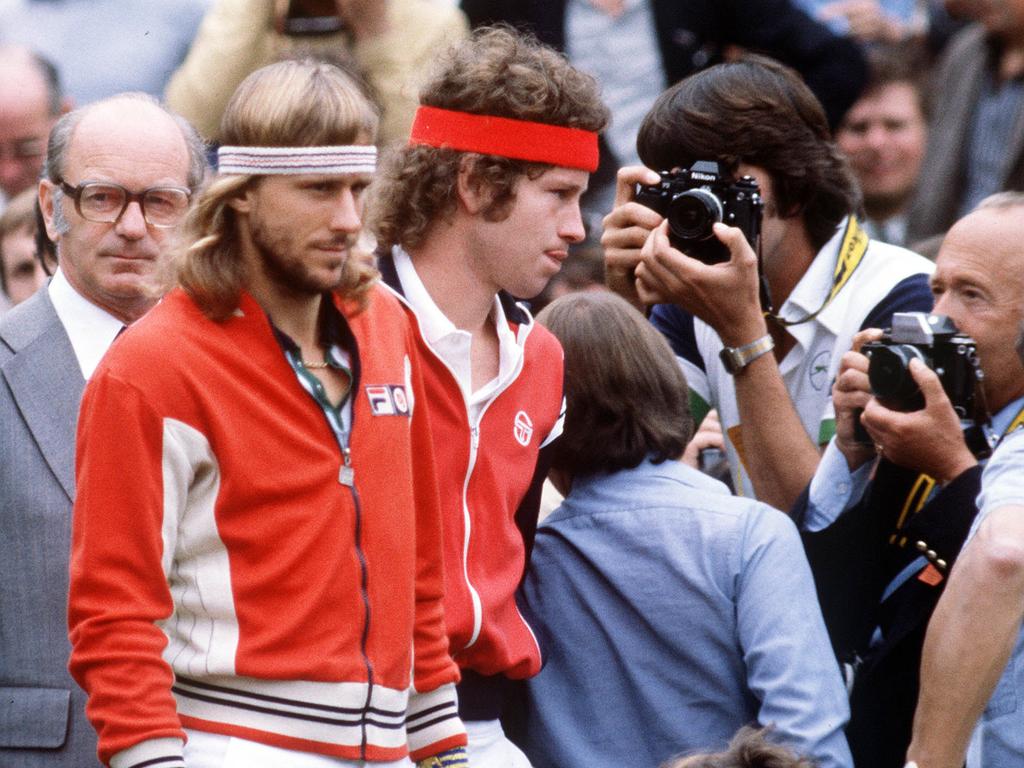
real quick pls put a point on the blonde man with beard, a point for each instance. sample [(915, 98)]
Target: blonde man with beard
[(266, 579)]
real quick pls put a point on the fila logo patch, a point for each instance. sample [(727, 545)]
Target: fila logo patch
[(387, 399), (523, 429)]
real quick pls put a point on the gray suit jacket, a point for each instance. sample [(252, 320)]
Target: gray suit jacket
[(42, 710), (958, 82)]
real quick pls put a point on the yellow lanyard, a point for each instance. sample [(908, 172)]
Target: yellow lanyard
[(1018, 421), (921, 491), (851, 254)]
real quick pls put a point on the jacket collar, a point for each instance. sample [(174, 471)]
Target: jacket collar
[(514, 313)]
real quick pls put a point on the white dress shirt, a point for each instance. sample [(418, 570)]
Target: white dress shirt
[(92, 330)]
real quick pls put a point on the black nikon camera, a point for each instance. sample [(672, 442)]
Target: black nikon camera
[(692, 201), (935, 341)]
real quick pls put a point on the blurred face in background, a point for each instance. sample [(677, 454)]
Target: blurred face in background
[(23, 273), (883, 136), (25, 122)]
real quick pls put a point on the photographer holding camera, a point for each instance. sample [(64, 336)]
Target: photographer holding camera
[(881, 550), (816, 272)]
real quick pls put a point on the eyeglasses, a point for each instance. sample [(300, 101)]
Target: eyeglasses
[(105, 203)]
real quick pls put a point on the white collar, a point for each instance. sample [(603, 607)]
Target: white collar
[(448, 341), (91, 330), (433, 321), (814, 286)]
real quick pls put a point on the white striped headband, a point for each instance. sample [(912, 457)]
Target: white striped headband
[(357, 158)]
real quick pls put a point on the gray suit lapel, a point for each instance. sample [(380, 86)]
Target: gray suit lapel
[(46, 382)]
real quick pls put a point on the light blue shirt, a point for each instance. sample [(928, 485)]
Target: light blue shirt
[(670, 614), (999, 738)]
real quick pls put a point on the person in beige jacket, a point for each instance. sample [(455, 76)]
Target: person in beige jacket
[(390, 42)]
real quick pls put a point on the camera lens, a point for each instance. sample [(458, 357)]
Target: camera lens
[(890, 377), (692, 213)]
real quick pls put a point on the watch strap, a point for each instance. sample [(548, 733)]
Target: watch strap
[(735, 359)]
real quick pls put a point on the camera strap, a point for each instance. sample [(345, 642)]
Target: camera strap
[(980, 440), (851, 254), (1017, 423)]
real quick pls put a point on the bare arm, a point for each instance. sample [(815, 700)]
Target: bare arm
[(780, 457), (986, 589)]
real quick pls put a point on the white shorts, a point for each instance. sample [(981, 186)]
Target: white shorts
[(488, 747)]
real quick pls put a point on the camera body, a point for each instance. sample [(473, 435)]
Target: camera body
[(935, 341), (693, 200)]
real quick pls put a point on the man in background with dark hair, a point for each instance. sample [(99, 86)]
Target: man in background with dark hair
[(478, 210), (883, 136), (761, 335), (30, 103)]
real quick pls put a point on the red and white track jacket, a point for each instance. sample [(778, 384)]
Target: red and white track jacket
[(487, 477), (224, 578)]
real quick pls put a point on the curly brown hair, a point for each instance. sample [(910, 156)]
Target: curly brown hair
[(498, 72), (757, 111), (297, 103)]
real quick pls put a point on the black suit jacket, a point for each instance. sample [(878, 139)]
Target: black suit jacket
[(853, 562), (693, 34)]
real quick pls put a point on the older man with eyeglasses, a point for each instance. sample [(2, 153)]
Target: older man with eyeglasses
[(118, 178)]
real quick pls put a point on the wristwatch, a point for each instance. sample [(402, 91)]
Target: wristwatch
[(735, 359)]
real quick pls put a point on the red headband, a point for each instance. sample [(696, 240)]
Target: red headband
[(502, 136)]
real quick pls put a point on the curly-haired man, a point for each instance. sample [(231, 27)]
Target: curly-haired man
[(481, 207)]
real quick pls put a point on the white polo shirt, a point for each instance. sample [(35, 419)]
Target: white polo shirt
[(888, 279)]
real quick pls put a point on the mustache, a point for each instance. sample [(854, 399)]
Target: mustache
[(135, 254), (341, 240)]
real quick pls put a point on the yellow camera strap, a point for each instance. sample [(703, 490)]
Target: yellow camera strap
[(1018, 421), (851, 254), (921, 490)]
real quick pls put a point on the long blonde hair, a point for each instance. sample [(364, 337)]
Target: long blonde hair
[(302, 103)]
